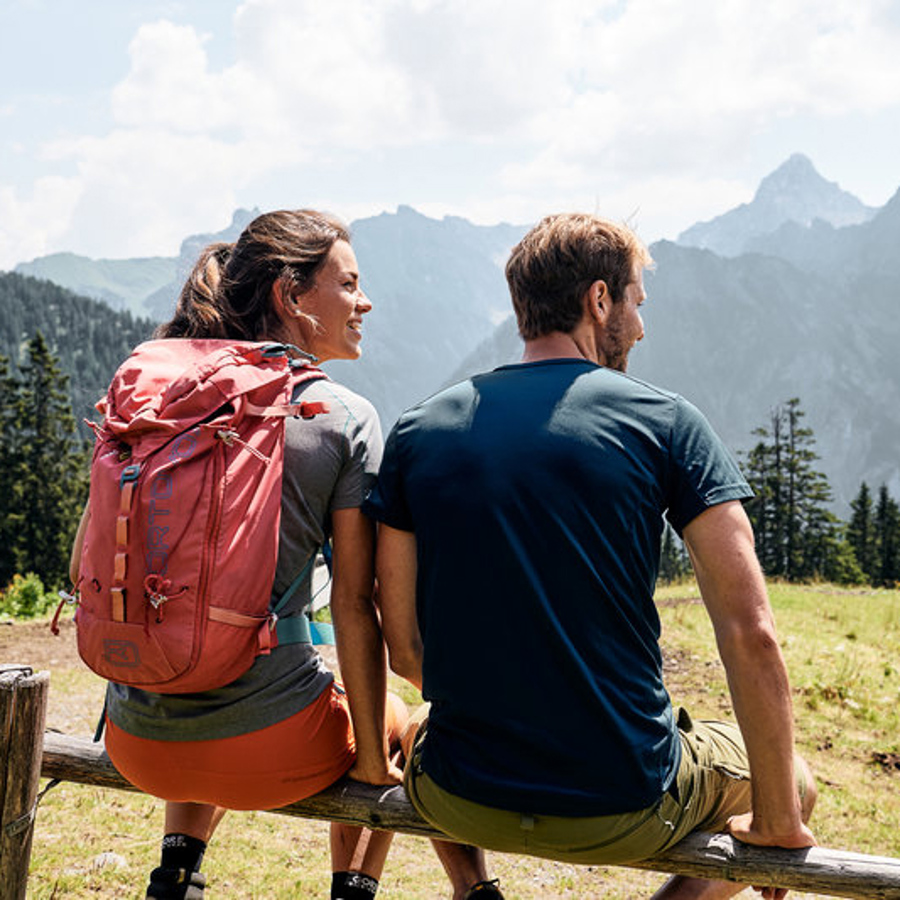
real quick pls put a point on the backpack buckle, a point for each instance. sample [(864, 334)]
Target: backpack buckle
[(130, 473)]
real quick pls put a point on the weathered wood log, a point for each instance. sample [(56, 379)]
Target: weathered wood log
[(23, 710), (834, 873), (388, 809), (816, 870)]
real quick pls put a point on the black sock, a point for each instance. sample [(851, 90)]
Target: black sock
[(353, 886), (181, 851)]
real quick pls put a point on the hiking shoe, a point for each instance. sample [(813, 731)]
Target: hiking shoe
[(484, 890), (176, 884)]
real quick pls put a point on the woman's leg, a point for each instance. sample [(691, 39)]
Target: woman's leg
[(199, 820), (358, 854), (188, 827)]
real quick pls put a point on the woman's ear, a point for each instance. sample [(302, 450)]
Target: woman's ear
[(282, 302)]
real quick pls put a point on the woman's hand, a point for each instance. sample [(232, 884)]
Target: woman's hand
[(383, 772)]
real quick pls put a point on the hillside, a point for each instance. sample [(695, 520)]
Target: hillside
[(123, 284), (437, 289), (88, 337)]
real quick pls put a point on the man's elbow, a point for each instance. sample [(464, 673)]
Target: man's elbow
[(755, 640), (407, 663)]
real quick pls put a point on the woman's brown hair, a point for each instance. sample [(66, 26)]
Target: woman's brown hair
[(229, 291)]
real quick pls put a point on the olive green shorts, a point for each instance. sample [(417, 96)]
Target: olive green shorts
[(712, 784)]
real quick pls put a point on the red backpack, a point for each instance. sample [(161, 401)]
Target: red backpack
[(179, 554)]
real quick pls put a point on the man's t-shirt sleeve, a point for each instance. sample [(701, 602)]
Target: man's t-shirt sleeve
[(387, 501), (703, 472)]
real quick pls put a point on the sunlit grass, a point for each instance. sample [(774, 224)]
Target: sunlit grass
[(843, 654)]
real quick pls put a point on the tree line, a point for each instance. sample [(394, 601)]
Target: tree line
[(44, 464), (87, 338), (798, 537), (43, 467)]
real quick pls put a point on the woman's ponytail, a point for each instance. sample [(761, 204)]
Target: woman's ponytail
[(198, 313)]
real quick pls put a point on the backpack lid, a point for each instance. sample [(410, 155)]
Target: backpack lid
[(171, 384)]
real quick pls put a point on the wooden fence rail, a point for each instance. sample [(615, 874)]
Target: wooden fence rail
[(834, 873), (27, 753)]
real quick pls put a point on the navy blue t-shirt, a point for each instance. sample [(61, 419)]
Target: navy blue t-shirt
[(537, 493)]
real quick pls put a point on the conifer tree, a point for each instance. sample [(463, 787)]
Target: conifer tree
[(49, 468), (861, 533), (797, 536), (887, 531), (7, 473), (673, 559), (757, 470)]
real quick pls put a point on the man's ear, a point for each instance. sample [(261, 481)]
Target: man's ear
[(597, 302)]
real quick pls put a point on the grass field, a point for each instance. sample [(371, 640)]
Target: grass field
[(843, 652)]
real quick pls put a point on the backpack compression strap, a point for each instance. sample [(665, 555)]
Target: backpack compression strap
[(120, 563), (305, 410)]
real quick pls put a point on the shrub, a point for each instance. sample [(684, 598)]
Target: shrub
[(25, 598)]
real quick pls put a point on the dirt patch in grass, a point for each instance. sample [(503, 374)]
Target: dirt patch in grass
[(889, 762), (33, 644)]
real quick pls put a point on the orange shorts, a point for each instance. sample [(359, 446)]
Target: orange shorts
[(264, 769)]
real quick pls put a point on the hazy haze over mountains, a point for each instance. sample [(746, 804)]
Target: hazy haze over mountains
[(793, 294)]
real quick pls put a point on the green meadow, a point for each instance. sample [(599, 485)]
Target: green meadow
[(843, 652)]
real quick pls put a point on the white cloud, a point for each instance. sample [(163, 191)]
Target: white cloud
[(140, 187), (168, 84), (669, 87), (650, 105), (32, 226)]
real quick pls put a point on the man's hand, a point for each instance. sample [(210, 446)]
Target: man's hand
[(744, 829)]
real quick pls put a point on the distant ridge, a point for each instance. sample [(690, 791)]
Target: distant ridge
[(806, 309), (794, 193), (120, 283)]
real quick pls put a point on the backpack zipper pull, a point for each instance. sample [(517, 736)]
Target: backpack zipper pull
[(64, 598), (229, 437)]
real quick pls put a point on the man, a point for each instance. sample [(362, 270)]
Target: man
[(521, 513)]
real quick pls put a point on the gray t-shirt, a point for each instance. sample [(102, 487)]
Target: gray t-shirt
[(330, 463)]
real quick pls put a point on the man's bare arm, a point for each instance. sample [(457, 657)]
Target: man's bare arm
[(720, 542), (396, 571)]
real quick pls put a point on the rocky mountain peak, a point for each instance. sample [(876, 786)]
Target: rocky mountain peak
[(794, 192)]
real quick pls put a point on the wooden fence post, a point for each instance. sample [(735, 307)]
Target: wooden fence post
[(23, 711)]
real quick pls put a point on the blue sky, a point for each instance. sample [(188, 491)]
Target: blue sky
[(126, 126)]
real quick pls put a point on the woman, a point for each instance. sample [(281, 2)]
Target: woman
[(291, 277)]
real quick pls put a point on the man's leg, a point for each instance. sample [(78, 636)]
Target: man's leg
[(465, 865), (682, 887)]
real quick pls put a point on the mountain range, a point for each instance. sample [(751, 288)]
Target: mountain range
[(794, 294)]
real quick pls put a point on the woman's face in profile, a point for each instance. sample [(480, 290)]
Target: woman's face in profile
[(337, 304)]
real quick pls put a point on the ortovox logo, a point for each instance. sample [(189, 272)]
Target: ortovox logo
[(121, 653), (183, 446), (160, 500)]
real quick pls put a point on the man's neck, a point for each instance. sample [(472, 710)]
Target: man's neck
[(557, 345)]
